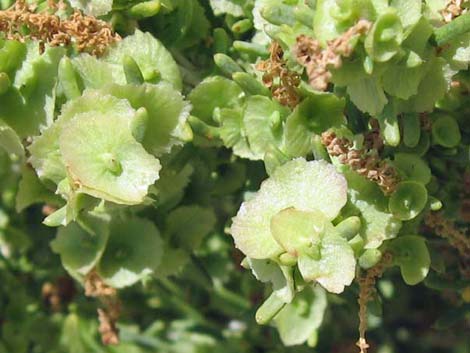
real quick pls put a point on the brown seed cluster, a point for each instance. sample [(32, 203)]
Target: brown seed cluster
[(457, 238), (453, 9), (318, 61), (281, 81), (109, 314), (86, 32), (367, 293), (365, 162)]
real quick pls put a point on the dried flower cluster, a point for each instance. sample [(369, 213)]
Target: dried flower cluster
[(365, 162), (457, 238), (318, 60), (278, 78), (58, 293), (367, 292), (109, 315), (86, 32), (453, 9)]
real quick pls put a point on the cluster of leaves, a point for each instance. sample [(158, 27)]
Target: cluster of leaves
[(142, 156)]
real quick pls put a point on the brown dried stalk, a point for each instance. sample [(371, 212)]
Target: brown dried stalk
[(453, 9), (86, 32), (457, 238), (365, 162), (367, 292), (109, 315), (318, 60), (281, 81)]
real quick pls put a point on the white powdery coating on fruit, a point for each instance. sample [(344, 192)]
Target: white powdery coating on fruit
[(306, 186)]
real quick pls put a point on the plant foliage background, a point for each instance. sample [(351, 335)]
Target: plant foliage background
[(236, 175)]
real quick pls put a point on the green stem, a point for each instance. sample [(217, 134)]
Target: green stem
[(450, 31)]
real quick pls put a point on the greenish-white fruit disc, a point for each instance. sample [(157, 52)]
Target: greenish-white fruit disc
[(304, 185), (104, 160)]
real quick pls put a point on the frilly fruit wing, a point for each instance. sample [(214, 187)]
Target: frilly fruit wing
[(306, 186), (45, 153), (335, 267), (105, 161)]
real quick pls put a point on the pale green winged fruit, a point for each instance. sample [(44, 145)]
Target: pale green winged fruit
[(45, 153), (306, 186), (104, 160), (323, 254)]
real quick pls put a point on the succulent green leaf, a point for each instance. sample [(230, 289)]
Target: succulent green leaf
[(80, 245), (409, 11), (384, 39), (306, 186), (29, 104), (408, 200), (370, 258), (317, 113), (324, 24), (214, 92), (169, 188), (378, 224), (368, 95), (95, 73), (297, 321), (411, 254), (269, 309), (188, 225), (263, 121), (281, 277), (167, 113), (31, 191), (349, 227), (232, 132), (12, 54), (10, 141), (134, 250), (412, 167), (149, 54), (445, 131), (402, 81), (431, 88)]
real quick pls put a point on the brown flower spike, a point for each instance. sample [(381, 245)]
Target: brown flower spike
[(367, 292), (457, 238), (318, 61), (109, 315), (365, 162), (278, 78), (86, 32)]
